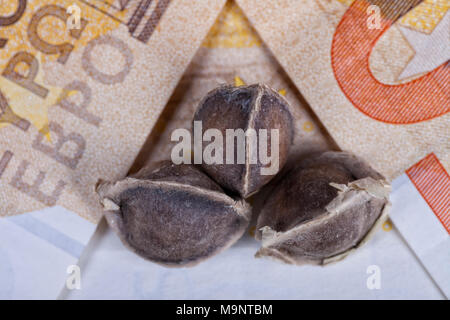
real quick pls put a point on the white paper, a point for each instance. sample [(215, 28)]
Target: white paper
[(109, 271), (34, 260), (37, 248), (422, 230)]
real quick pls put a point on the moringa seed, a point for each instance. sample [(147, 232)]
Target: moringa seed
[(246, 107), (174, 215), (322, 209)]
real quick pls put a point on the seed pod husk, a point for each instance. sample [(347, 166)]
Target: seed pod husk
[(322, 210), (174, 215), (246, 107)]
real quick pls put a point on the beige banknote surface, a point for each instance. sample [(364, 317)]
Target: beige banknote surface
[(82, 83), (376, 72)]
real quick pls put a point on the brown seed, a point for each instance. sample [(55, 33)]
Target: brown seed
[(174, 215), (322, 210), (246, 107)]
